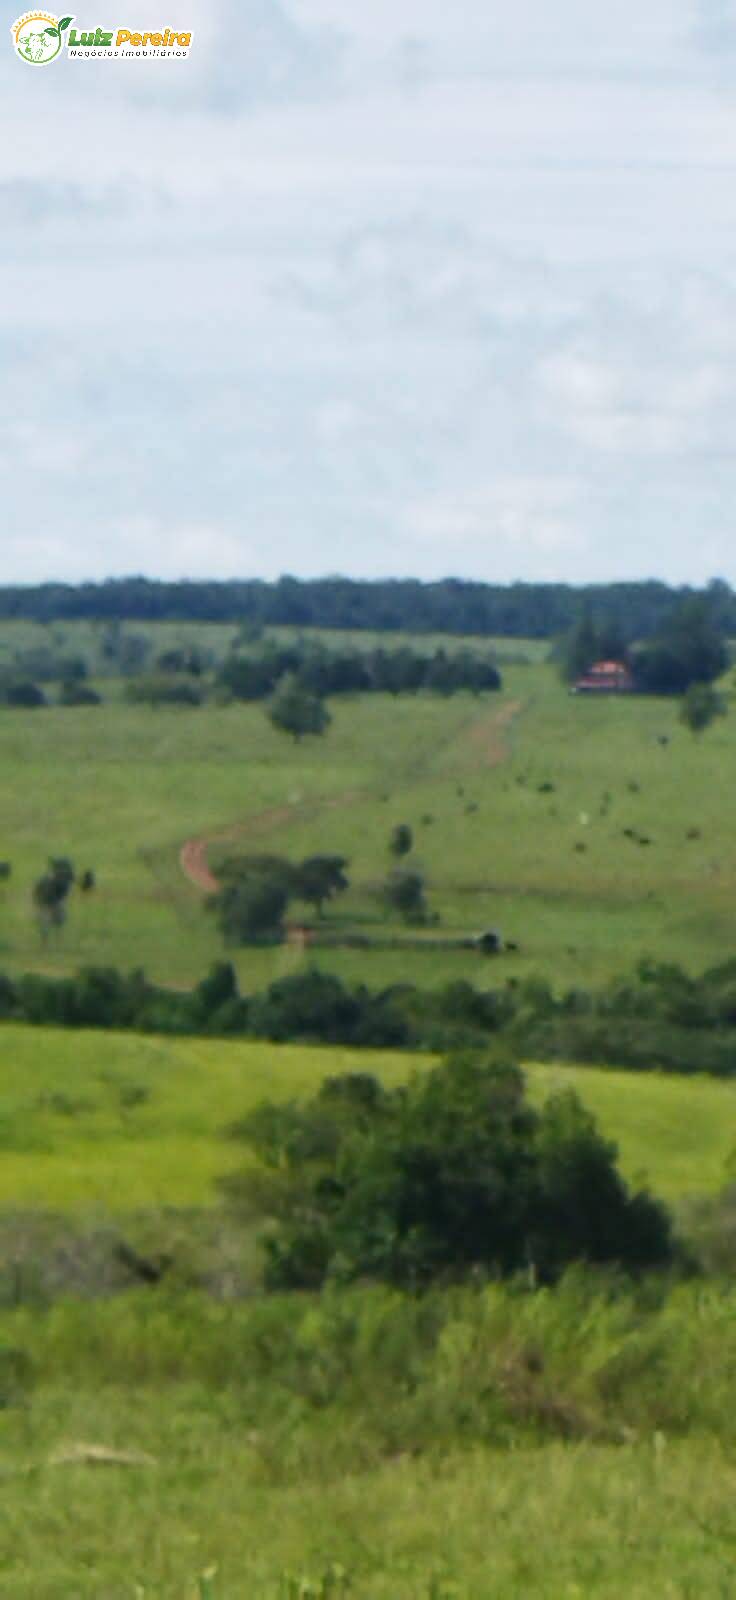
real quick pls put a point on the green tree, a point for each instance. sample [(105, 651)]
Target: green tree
[(401, 840), (251, 908), (276, 868), (404, 892), (74, 693), (448, 1174), (295, 710), (687, 649), (700, 706), (579, 649), (51, 893), (319, 878), (24, 696)]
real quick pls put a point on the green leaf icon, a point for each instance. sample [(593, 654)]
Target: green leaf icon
[(53, 31), (65, 23)]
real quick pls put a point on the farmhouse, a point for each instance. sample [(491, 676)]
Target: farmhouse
[(605, 677)]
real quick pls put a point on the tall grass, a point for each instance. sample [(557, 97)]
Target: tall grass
[(480, 1444), (349, 1378)]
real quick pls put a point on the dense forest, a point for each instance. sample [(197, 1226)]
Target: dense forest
[(519, 610)]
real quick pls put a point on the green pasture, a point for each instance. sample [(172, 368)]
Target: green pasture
[(87, 639), (571, 1443), (562, 1522), (590, 833), (113, 1122)]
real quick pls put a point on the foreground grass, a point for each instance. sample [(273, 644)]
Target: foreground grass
[(556, 1522), (116, 1122), (571, 1443)]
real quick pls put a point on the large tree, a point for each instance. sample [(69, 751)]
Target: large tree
[(319, 878), (404, 892), (295, 710), (450, 1174), (688, 648)]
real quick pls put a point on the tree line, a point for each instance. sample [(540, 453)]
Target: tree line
[(452, 605), (687, 647), (656, 1018), (255, 674)]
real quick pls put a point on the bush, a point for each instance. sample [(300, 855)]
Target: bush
[(401, 840), (74, 693), (252, 902), (314, 1006), (451, 1174), (23, 696), (404, 893)]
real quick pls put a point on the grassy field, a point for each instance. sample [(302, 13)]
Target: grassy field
[(93, 1121), (611, 1471), (150, 1438), (277, 1438), (522, 805), (217, 638), (557, 1523)]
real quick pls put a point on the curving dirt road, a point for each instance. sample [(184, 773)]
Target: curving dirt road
[(488, 736), (193, 855), (193, 863)]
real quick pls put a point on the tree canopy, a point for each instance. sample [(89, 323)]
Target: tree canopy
[(449, 1174), (295, 710), (451, 605), (700, 706)]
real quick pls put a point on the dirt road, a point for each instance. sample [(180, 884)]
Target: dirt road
[(488, 737)]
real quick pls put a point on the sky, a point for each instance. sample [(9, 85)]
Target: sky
[(404, 288)]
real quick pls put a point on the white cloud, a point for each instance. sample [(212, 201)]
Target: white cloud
[(279, 312)]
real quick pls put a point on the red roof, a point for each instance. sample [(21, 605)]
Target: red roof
[(606, 675)]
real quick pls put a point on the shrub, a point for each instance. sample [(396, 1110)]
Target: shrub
[(23, 696), (404, 893), (451, 1174), (73, 693)]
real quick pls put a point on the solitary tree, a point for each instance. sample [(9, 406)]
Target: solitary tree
[(700, 706), (319, 878), (50, 895), (401, 840), (404, 892), (295, 710), (452, 1172), (251, 909)]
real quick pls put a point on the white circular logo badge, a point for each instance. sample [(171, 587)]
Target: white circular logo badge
[(38, 37)]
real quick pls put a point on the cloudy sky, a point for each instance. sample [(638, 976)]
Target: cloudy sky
[(406, 287)]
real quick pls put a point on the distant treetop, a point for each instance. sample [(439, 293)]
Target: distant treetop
[(452, 605)]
